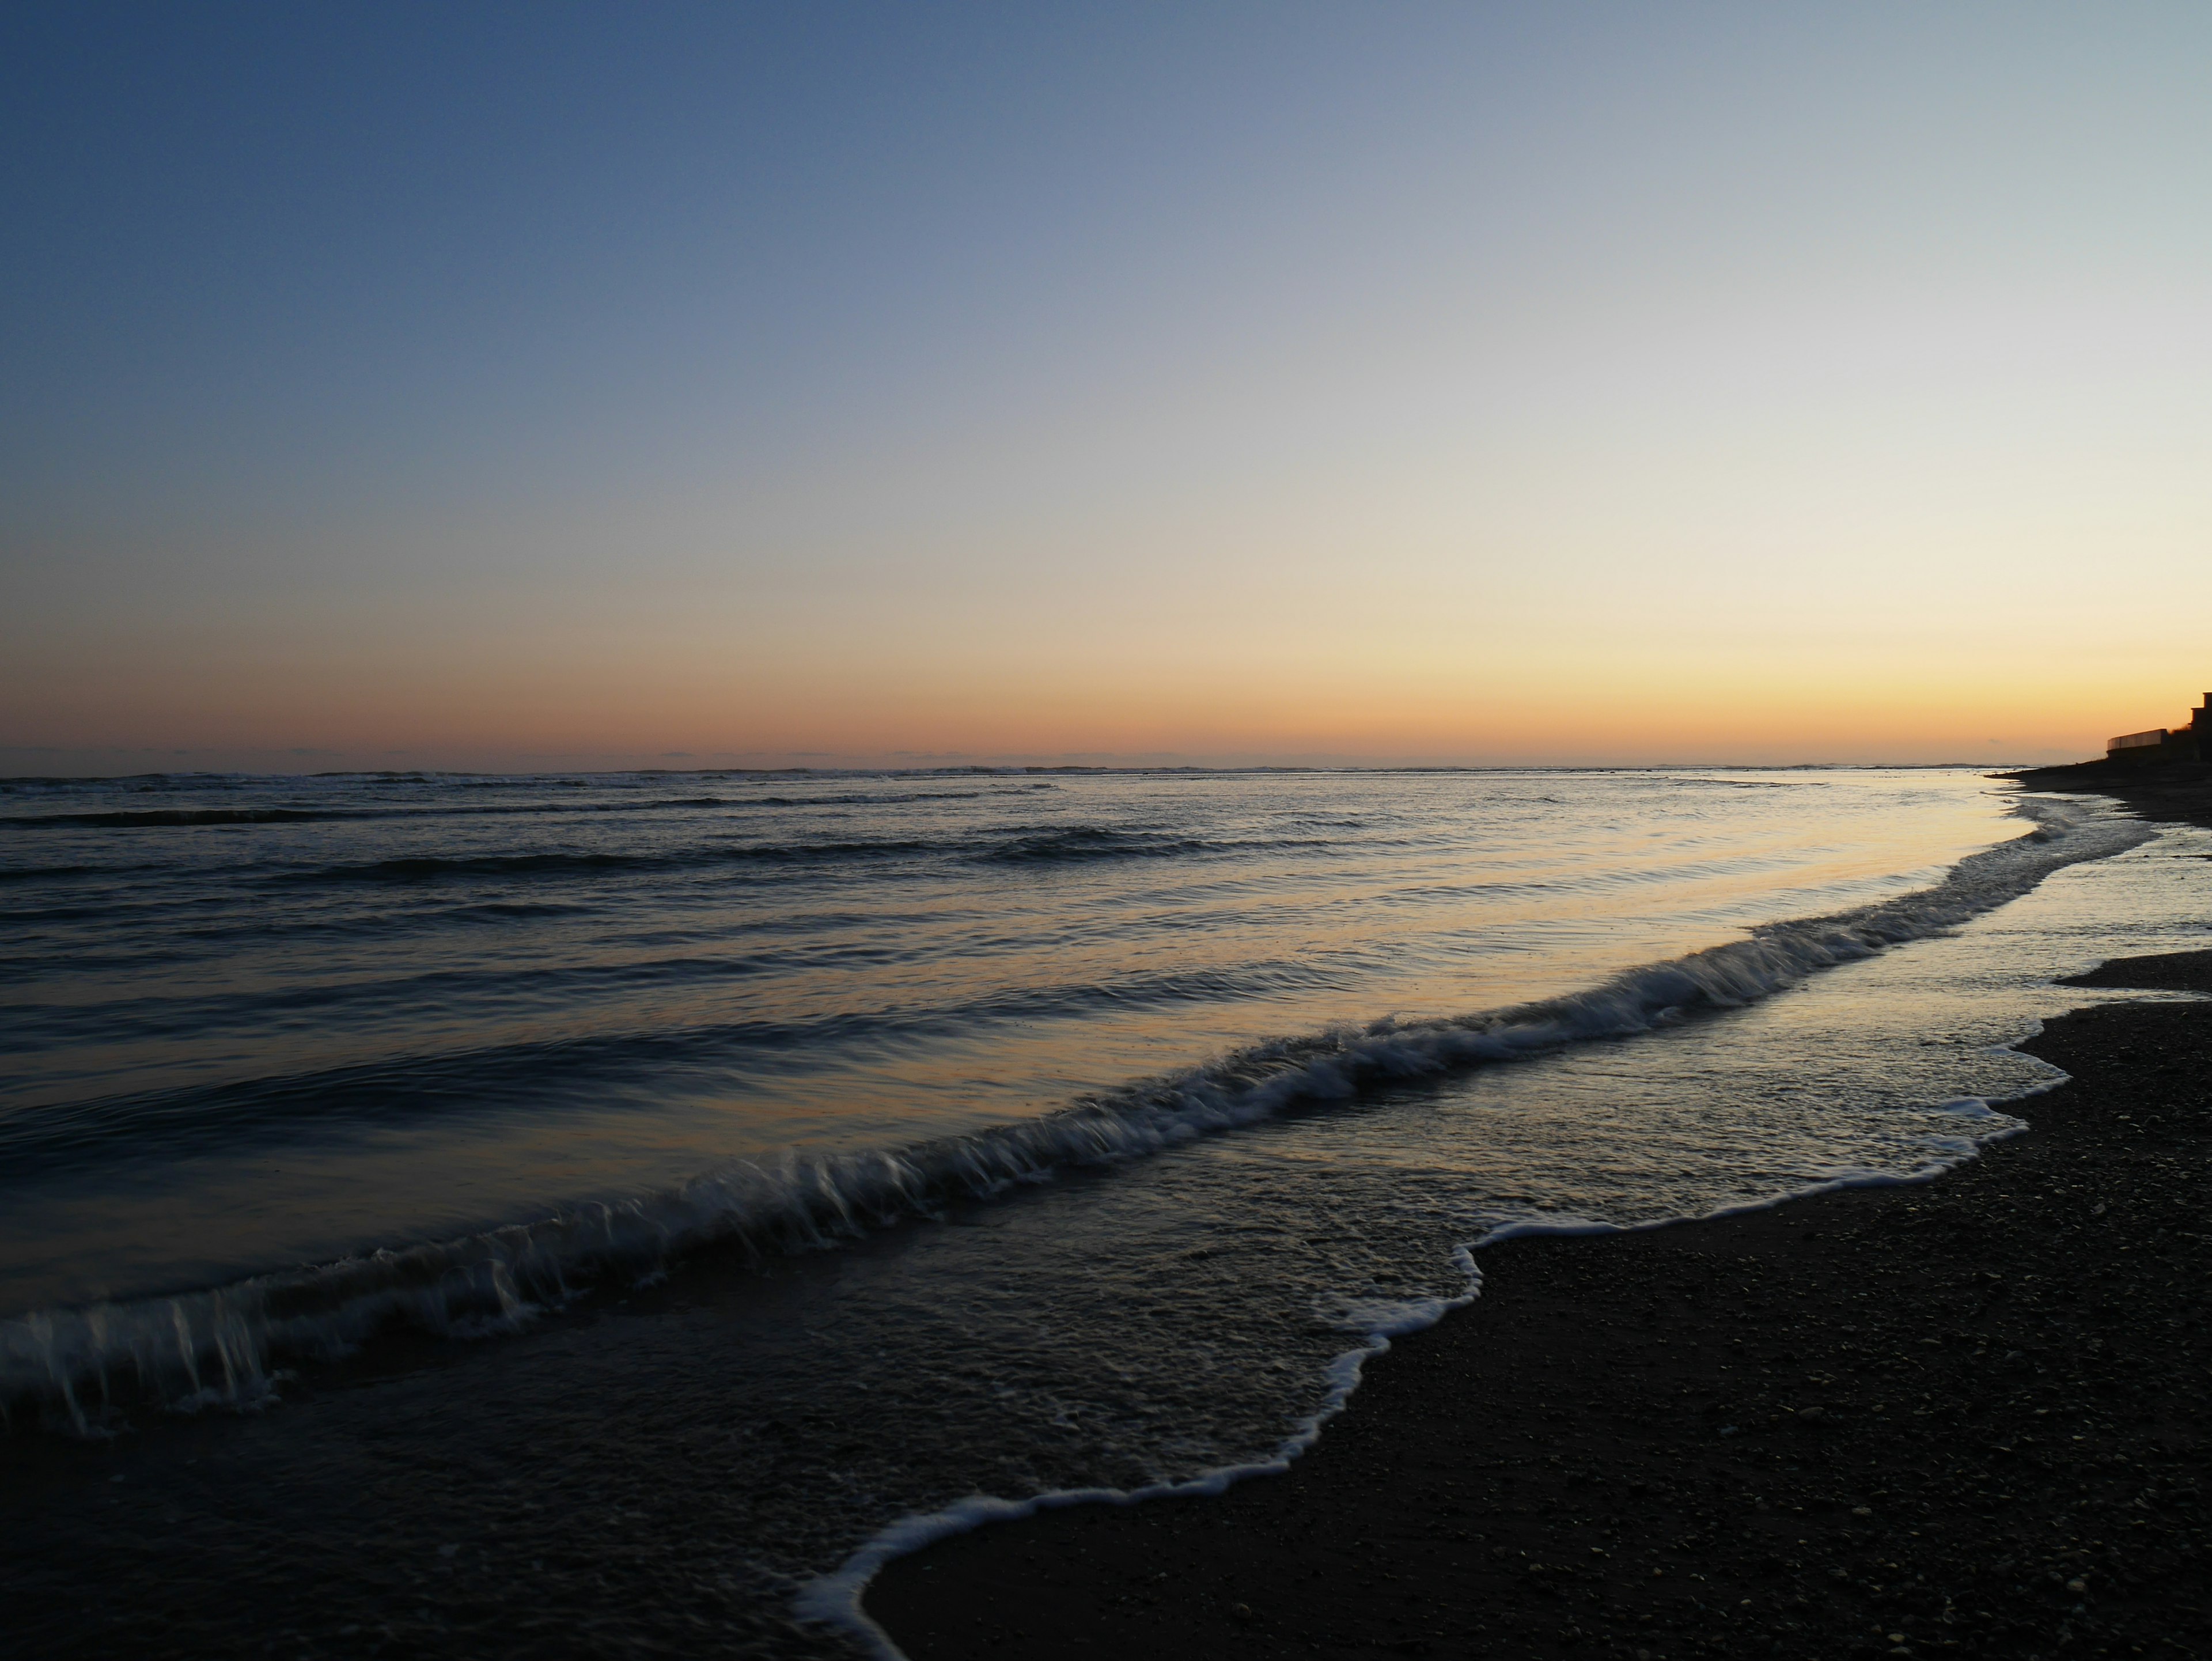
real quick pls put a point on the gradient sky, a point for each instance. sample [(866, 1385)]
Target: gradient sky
[(509, 386)]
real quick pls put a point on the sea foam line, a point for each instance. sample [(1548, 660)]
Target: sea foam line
[(836, 1599), (80, 1369)]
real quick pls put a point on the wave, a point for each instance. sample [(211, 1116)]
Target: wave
[(154, 817), (133, 819), (142, 818), (431, 868), (77, 1369), (1058, 845), (538, 1077), (437, 867), (56, 872), (1077, 843), (1020, 845), (887, 799)]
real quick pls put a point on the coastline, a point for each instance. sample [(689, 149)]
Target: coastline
[(426, 1502), (1963, 1417), (2175, 793)]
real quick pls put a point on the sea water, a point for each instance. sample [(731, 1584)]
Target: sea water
[(777, 1169)]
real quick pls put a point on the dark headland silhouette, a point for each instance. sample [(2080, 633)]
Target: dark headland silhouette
[(2159, 746), (2161, 773)]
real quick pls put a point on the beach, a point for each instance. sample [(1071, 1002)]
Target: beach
[(1966, 1417)]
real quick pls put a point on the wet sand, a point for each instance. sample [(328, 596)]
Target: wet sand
[(1966, 1418)]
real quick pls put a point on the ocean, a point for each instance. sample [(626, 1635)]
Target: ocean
[(609, 1213)]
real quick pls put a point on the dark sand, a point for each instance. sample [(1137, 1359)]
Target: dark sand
[(1966, 1418), (2179, 792)]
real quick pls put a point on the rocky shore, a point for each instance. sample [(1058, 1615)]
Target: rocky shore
[(1966, 1418)]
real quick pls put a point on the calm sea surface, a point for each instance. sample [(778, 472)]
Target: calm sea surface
[(846, 1147)]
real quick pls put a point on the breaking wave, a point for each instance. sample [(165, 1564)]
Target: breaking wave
[(79, 1369), (539, 1076)]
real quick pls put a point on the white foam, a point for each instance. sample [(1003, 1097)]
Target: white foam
[(226, 1345), (835, 1599)]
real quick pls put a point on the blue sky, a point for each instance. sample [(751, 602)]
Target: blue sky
[(468, 385)]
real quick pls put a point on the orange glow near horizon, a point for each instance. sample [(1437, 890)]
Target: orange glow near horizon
[(492, 708), (1479, 387)]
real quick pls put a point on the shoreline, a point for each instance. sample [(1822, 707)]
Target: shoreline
[(2168, 794), (426, 1502), (1963, 1416)]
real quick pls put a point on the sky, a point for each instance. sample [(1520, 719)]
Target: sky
[(506, 387)]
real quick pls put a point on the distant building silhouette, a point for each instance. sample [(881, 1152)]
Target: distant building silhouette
[(2162, 744)]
